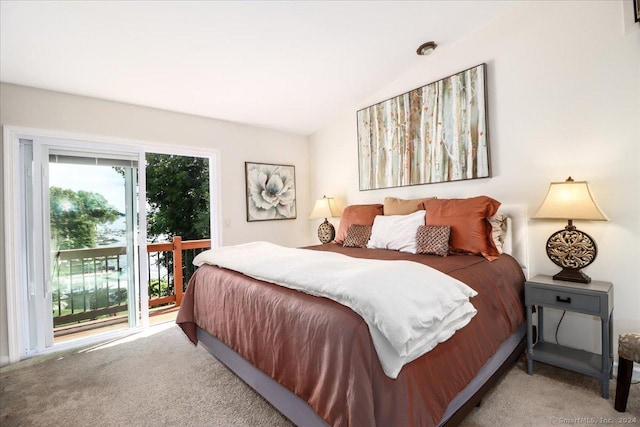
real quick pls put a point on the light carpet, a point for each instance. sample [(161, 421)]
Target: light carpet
[(157, 378)]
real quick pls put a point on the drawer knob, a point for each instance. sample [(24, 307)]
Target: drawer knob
[(566, 300)]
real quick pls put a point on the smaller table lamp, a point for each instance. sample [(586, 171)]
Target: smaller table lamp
[(324, 208), (570, 248)]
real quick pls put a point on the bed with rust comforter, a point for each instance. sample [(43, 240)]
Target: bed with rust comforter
[(323, 352)]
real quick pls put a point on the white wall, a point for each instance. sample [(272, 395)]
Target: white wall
[(564, 99), (33, 108)]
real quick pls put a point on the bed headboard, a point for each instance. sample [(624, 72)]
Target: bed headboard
[(516, 241)]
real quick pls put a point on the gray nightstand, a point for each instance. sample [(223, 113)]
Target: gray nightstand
[(595, 299)]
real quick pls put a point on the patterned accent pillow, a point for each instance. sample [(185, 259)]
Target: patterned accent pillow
[(357, 236), (498, 230), (433, 239)]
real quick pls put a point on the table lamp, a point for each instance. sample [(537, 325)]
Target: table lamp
[(570, 249), (324, 208)]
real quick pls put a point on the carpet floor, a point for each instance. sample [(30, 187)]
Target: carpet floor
[(157, 378)]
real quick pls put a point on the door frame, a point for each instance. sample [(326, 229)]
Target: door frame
[(12, 214)]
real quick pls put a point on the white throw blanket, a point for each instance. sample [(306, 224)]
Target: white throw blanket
[(409, 307)]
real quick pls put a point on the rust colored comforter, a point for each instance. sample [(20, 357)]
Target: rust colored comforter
[(322, 351)]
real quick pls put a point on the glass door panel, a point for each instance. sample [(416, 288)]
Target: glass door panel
[(178, 206), (92, 240)]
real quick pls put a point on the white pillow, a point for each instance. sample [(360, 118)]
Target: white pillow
[(396, 232)]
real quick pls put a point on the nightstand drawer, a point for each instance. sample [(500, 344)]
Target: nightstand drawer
[(563, 300)]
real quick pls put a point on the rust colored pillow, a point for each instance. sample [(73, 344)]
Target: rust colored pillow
[(468, 219), (356, 214), (357, 236), (395, 206)]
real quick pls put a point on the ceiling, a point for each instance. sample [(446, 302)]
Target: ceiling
[(286, 65)]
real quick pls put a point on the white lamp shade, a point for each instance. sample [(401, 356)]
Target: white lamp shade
[(569, 200), (325, 208)]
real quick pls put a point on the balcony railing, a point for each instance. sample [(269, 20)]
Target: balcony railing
[(172, 263), (89, 284)]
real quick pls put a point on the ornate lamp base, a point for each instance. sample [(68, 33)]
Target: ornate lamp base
[(572, 275), (326, 232), (572, 250)]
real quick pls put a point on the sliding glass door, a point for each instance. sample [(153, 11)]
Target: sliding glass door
[(80, 235), (76, 231)]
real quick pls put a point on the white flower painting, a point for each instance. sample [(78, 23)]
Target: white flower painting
[(271, 191)]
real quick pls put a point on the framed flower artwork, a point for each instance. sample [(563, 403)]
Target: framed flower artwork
[(271, 191)]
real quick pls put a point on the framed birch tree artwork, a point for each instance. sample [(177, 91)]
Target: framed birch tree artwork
[(271, 191), (436, 133)]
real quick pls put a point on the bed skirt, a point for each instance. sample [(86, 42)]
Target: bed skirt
[(300, 413)]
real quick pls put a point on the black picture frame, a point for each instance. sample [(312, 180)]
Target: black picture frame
[(636, 9), (436, 133), (270, 191)]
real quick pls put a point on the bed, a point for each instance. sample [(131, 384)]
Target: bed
[(314, 360)]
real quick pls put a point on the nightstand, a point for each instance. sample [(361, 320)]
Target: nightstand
[(595, 299)]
